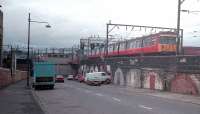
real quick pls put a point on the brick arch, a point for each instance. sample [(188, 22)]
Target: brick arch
[(153, 80), (183, 83), (133, 78), (119, 77), (96, 68)]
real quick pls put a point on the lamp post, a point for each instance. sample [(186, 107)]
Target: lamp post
[(28, 53), (188, 11)]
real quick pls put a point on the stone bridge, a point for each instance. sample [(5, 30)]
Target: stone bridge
[(168, 73)]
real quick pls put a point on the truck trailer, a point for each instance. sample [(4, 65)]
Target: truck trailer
[(43, 75)]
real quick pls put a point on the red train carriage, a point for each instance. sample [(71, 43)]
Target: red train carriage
[(159, 43)]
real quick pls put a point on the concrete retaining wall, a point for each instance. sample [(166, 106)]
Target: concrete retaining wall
[(6, 78)]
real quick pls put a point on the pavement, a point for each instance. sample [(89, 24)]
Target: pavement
[(77, 98), (17, 99)]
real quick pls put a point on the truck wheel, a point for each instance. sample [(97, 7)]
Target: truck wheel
[(36, 87), (52, 87), (107, 81)]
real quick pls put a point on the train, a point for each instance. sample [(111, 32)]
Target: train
[(162, 43)]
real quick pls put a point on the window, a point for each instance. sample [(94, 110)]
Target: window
[(167, 40), (103, 74), (138, 43), (116, 47), (110, 48), (122, 46)]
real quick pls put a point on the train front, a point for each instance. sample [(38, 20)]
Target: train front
[(167, 43)]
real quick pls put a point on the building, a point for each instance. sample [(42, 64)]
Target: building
[(1, 35)]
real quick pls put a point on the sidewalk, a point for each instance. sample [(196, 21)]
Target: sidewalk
[(16, 99), (168, 95)]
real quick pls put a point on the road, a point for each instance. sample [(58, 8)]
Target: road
[(77, 98)]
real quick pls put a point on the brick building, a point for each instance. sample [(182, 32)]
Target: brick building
[(1, 34)]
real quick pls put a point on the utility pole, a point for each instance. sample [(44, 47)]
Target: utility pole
[(28, 70), (107, 32), (179, 43)]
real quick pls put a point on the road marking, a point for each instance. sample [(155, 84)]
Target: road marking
[(116, 99), (78, 88), (88, 91), (145, 107), (99, 94)]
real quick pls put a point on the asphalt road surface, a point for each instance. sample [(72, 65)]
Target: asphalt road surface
[(78, 98)]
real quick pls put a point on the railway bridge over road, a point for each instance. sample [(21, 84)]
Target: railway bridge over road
[(168, 73)]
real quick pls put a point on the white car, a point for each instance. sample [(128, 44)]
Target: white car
[(70, 77), (97, 78), (93, 79)]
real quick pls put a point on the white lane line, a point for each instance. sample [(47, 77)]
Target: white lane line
[(78, 88), (88, 91), (99, 94), (116, 99), (145, 107)]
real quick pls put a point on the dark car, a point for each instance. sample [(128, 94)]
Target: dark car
[(81, 78), (60, 78)]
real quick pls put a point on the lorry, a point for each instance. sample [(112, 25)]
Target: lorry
[(43, 75)]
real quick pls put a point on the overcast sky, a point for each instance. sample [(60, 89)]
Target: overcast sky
[(75, 19)]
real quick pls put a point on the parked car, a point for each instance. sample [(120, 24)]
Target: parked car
[(60, 78), (106, 78), (81, 78), (70, 77), (94, 78), (76, 77)]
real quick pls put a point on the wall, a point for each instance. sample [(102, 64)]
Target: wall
[(152, 79), (133, 78), (186, 83), (6, 78), (155, 79)]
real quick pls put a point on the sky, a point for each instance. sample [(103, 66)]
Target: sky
[(75, 19)]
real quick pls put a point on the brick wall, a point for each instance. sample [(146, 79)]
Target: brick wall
[(184, 83), (6, 78)]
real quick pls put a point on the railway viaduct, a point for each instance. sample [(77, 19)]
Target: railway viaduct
[(179, 74)]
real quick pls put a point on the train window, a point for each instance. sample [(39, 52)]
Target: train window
[(97, 52), (110, 48), (122, 46), (116, 47), (138, 43), (128, 44), (134, 44), (148, 42), (167, 40)]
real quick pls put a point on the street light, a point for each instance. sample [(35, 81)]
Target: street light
[(28, 54), (188, 11)]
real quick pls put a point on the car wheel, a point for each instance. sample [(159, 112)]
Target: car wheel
[(107, 81)]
